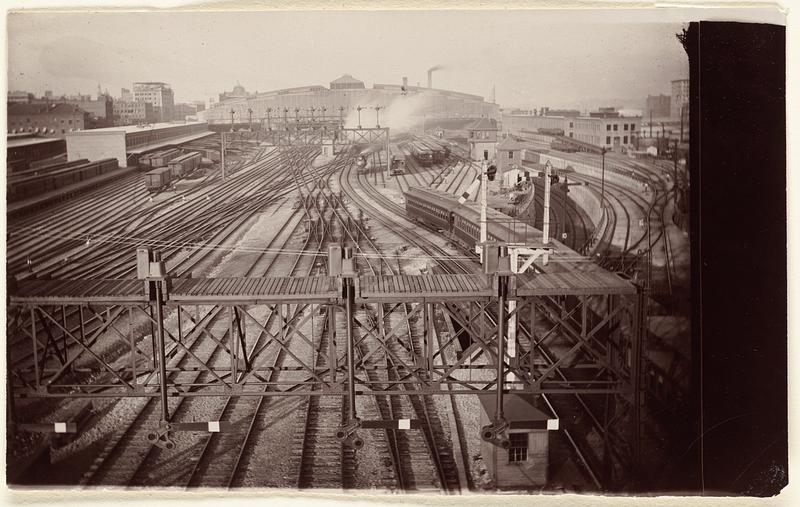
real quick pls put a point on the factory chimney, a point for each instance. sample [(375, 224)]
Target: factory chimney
[(430, 72)]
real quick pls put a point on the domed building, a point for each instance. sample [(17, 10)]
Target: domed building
[(238, 93)]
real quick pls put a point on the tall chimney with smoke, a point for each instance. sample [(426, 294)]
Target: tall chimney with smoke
[(430, 72)]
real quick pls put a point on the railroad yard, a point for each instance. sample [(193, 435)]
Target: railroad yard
[(256, 310)]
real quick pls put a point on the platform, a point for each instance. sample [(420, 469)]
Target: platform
[(53, 292), (418, 288), (254, 290), (322, 289), (573, 283)]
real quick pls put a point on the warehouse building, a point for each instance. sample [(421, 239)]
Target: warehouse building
[(126, 143)]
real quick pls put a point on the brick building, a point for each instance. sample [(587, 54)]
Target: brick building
[(47, 120)]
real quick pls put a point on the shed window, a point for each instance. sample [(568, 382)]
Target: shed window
[(518, 450)]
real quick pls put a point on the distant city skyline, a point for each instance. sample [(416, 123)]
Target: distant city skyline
[(532, 59)]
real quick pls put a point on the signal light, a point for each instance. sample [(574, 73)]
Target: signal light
[(491, 171)]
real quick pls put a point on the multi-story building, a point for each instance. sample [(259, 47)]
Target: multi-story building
[(159, 95), (50, 120), (680, 98), (133, 113), (19, 97), (126, 95), (605, 128), (657, 106), (100, 111)]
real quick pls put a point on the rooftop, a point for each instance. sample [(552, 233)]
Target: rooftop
[(516, 407), (483, 124), (129, 129), (27, 141), (35, 109), (346, 79)]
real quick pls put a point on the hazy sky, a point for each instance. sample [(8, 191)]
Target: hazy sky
[(532, 58)]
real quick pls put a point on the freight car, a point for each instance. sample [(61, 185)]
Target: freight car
[(157, 179), (159, 158), (36, 184), (184, 164)]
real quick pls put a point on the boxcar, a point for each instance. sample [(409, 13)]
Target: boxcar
[(184, 164), (157, 179)]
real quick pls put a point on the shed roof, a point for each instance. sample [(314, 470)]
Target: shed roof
[(516, 407), (483, 124)]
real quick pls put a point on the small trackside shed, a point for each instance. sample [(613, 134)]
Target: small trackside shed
[(524, 464)]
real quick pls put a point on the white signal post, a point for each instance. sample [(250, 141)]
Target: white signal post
[(483, 204), (546, 218)]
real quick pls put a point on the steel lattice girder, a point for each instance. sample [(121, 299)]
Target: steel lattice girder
[(586, 348)]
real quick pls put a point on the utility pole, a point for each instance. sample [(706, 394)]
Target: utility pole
[(651, 124), (222, 154), (377, 117), (232, 111)]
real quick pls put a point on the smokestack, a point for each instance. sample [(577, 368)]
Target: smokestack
[(430, 71)]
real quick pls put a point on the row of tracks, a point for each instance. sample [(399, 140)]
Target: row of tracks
[(575, 441)]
